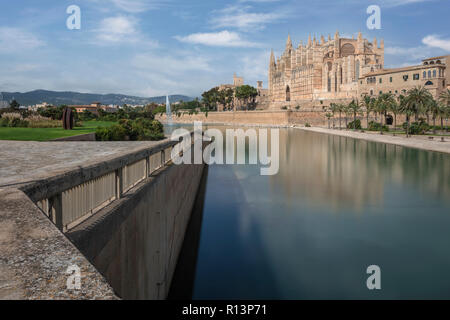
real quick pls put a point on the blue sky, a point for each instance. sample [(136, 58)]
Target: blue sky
[(156, 47)]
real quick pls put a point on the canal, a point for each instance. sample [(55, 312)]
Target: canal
[(337, 206)]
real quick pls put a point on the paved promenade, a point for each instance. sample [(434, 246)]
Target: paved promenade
[(419, 142), (23, 161)]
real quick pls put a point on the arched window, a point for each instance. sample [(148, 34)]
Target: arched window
[(432, 62), (429, 83), (357, 70), (425, 63), (438, 62), (429, 73), (329, 84), (424, 74), (434, 73), (288, 94), (335, 82)]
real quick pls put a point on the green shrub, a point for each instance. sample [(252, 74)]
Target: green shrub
[(284, 108), (418, 128), (307, 125), (297, 107), (376, 126), (4, 122), (135, 130), (354, 124)]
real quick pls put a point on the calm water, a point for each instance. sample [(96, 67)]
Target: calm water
[(336, 206)]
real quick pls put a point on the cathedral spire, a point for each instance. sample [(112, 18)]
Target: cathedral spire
[(382, 44), (289, 41), (322, 39), (336, 36), (375, 43), (314, 41), (359, 36), (309, 41), (272, 58), (329, 37)]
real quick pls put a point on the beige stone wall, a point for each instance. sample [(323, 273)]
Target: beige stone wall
[(276, 118), (394, 81)]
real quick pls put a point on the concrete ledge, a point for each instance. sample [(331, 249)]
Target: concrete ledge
[(34, 256), (79, 137)]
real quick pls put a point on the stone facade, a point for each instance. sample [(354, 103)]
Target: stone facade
[(342, 69), (324, 70), (431, 74)]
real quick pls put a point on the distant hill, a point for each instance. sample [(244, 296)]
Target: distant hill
[(73, 98)]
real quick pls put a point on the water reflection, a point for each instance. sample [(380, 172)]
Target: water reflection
[(336, 206)]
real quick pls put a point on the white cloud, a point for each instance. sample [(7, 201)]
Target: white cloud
[(397, 3), (217, 39), (414, 53), (254, 67), (15, 40), (435, 41), (240, 17), (117, 29), (136, 6), (121, 29)]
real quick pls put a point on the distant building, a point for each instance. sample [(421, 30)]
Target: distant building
[(3, 104), (430, 74), (342, 69), (93, 107), (261, 100), (37, 106)]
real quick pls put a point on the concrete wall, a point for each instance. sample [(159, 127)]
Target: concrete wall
[(275, 118), (135, 242), (35, 255)]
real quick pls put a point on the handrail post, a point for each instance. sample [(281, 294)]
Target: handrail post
[(147, 167), (163, 158), (119, 183), (55, 210)]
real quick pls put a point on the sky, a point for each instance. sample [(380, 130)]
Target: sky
[(157, 47)]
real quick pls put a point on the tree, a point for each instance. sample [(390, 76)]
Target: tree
[(433, 107), (382, 104), (247, 94), (417, 100), (328, 115), (369, 105), (414, 103), (444, 98), (354, 107), (340, 108), (334, 109), (395, 108), (14, 105), (211, 98), (228, 98)]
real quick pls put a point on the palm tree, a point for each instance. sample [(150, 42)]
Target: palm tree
[(443, 112), (337, 107), (433, 107), (328, 115), (368, 103), (354, 107), (346, 111), (417, 100), (382, 104), (395, 108), (414, 103), (444, 98), (334, 109)]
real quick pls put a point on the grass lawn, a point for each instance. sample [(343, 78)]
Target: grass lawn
[(45, 134)]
